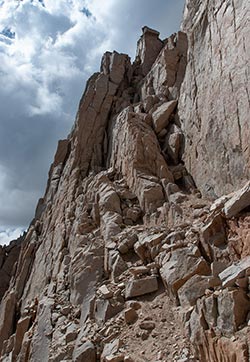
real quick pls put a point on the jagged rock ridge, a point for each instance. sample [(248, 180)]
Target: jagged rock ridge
[(125, 260)]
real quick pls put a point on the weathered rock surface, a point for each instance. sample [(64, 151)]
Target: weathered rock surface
[(239, 270), (140, 287), (126, 260), (148, 48), (181, 266), (214, 103), (161, 115), (8, 258), (238, 202)]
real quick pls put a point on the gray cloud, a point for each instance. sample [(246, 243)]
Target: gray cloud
[(47, 51)]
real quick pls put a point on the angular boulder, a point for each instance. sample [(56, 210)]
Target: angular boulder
[(180, 267), (239, 201), (233, 272), (233, 307), (193, 289), (85, 352), (162, 114), (138, 287)]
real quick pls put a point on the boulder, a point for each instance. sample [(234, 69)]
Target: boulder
[(111, 348), (161, 115), (193, 289), (217, 267), (138, 287), (106, 309), (130, 315), (239, 201), (173, 144), (85, 352), (213, 234), (233, 307), (71, 333), (143, 247), (180, 267), (237, 270), (118, 267)]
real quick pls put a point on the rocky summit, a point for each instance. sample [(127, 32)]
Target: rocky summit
[(140, 248)]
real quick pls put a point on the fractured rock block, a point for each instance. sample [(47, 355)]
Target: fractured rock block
[(161, 115), (173, 144), (85, 352), (148, 48), (210, 311), (43, 330), (233, 307), (151, 194), (110, 349), (106, 309), (144, 246), (118, 267), (138, 287), (193, 289), (213, 234), (234, 271), (181, 266), (239, 201), (22, 327), (109, 200), (217, 267)]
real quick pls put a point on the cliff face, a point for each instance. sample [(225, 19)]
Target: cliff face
[(125, 259), (214, 104), (8, 258)]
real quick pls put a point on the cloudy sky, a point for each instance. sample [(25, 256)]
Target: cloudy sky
[(48, 48)]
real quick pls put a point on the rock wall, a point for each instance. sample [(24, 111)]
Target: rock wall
[(214, 104), (8, 258), (125, 260)]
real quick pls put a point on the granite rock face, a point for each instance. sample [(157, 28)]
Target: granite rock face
[(8, 258), (214, 104), (126, 233)]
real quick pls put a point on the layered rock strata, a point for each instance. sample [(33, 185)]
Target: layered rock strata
[(126, 260)]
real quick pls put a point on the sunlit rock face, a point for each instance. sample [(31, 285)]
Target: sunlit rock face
[(214, 104), (131, 255)]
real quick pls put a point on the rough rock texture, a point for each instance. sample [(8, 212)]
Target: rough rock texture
[(214, 104), (125, 259), (8, 258)]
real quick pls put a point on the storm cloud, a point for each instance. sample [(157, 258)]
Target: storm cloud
[(48, 49)]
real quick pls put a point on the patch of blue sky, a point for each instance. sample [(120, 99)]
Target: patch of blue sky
[(86, 12), (8, 33)]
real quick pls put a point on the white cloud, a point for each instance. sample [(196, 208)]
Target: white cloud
[(8, 235), (47, 51)]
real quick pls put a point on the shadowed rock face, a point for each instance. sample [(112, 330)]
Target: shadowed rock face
[(8, 257), (123, 235)]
